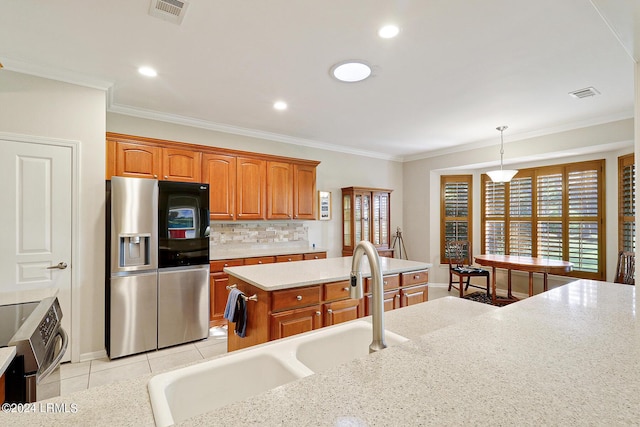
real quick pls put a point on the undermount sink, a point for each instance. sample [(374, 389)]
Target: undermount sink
[(184, 393), (340, 345), (197, 389)]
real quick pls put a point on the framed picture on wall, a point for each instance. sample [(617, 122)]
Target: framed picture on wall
[(324, 205)]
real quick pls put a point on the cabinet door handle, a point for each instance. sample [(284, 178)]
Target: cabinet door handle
[(259, 262), (416, 277), (289, 259), (397, 296), (345, 289), (315, 257), (318, 313), (155, 176), (166, 177), (384, 282), (299, 297), (329, 311)]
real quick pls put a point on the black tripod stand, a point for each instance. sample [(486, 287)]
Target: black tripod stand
[(397, 239)]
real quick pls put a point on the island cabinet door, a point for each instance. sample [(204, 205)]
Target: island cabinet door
[(414, 295), (391, 302), (291, 322), (342, 311)]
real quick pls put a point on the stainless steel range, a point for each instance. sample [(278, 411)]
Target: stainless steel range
[(35, 329)]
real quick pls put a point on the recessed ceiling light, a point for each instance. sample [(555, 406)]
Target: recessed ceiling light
[(280, 105), (388, 31), (351, 71), (147, 71)]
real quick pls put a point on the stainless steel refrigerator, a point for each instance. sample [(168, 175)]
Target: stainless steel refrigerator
[(150, 304)]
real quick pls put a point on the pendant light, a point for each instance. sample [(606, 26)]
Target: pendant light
[(502, 175)]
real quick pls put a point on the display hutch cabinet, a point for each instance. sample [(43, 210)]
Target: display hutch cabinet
[(366, 215)]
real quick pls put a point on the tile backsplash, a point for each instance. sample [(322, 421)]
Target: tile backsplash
[(258, 233)]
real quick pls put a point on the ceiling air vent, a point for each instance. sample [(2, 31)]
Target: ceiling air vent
[(584, 93), (169, 10)]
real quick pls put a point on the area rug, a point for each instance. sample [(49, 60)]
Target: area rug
[(483, 298)]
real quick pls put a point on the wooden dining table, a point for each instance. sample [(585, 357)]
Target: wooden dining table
[(522, 263)]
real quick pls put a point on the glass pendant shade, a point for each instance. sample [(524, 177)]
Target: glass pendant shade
[(502, 175)]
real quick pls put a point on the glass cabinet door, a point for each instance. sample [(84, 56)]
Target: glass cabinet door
[(384, 219), (366, 225), (357, 219), (346, 220)]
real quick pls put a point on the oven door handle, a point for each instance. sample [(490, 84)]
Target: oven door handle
[(56, 361)]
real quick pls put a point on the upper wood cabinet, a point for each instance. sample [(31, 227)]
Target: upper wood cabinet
[(251, 184), (366, 215), (242, 185), (304, 192), (279, 190), (145, 161), (136, 161), (181, 165), (219, 171)]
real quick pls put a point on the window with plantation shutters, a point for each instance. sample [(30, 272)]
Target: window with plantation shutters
[(553, 212), (455, 210), (626, 203)]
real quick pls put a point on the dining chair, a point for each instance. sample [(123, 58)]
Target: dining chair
[(625, 270), (458, 253)]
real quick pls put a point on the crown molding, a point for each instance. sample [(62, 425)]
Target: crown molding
[(236, 130)]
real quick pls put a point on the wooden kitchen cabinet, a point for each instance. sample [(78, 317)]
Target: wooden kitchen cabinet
[(304, 192), (279, 190), (147, 161), (218, 292), (251, 186), (414, 288), (366, 215), (181, 165), (285, 312), (342, 311), (2, 389), (291, 190), (289, 258), (137, 161), (242, 185), (292, 322), (259, 260), (314, 255), (219, 171)]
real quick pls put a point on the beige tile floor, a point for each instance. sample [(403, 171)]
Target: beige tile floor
[(80, 376)]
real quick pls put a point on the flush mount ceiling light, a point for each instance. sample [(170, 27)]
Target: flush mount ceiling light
[(351, 71), (147, 71), (280, 105), (388, 31), (502, 175)]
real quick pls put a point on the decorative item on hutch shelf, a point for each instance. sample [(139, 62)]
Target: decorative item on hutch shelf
[(324, 202)]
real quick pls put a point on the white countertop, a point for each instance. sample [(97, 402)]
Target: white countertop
[(6, 356), (570, 356), (219, 252), (286, 275)]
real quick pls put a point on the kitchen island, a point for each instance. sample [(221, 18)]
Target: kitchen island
[(570, 356), (286, 299)]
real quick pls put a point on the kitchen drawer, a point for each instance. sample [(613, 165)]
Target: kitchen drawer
[(391, 302), (260, 260), (315, 255), (414, 295), (287, 258), (218, 266), (292, 298), (336, 290), (391, 281), (414, 277)]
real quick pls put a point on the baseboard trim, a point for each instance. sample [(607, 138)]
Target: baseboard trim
[(85, 357)]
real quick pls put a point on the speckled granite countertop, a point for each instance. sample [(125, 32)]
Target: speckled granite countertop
[(217, 252), (286, 275), (570, 356)]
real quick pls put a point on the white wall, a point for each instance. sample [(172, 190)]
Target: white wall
[(45, 108), (422, 183)]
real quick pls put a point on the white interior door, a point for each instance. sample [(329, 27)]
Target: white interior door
[(36, 220)]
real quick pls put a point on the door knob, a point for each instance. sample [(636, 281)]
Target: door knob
[(60, 266)]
